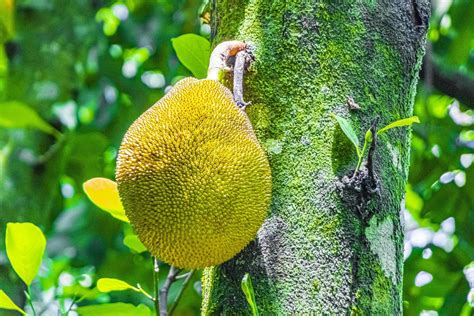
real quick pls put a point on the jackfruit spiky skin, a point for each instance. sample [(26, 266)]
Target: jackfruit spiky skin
[(193, 179)]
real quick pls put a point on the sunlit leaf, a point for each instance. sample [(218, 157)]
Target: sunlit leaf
[(18, 115), (414, 203), (25, 245), (7, 303), (193, 52), (138, 55), (349, 132), (114, 309), (111, 22), (247, 288), (399, 123), (438, 105), (104, 194), (467, 136), (6, 19), (108, 285), (132, 242), (3, 68)]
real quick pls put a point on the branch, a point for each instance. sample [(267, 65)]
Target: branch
[(189, 275), (165, 288), (451, 82)]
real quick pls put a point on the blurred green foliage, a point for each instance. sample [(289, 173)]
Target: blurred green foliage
[(439, 242), (75, 74)]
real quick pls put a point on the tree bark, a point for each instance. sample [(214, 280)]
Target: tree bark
[(318, 252)]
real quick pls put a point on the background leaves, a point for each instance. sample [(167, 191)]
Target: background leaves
[(194, 52), (18, 115), (108, 285), (91, 68), (114, 309), (25, 245), (7, 303), (103, 193)]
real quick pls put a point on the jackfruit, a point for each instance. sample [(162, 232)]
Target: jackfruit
[(194, 181)]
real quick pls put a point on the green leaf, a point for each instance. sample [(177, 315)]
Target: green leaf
[(105, 285), (104, 194), (247, 288), (25, 245), (114, 309), (193, 52), (132, 242), (80, 292), (7, 303), (15, 114), (349, 131), (399, 123)]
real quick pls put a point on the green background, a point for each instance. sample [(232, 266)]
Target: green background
[(89, 68)]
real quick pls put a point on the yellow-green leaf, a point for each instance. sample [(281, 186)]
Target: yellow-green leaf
[(25, 245), (346, 127), (114, 309), (132, 242), (108, 285), (193, 52), (399, 123), (111, 22), (104, 194), (6, 19), (7, 303), (247, 288), (82, 293), (15, 114)]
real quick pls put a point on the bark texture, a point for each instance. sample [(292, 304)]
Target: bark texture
[(315, 254)]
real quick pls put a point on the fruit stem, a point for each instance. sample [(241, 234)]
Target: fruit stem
[(219, 57), (241, 60)]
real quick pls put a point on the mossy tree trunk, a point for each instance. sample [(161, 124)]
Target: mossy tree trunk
[(316, 253)]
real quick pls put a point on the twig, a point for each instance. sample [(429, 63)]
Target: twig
[(165, 289), (53, 149), (139, 287), (189, 275), (30, 301), (156, 283), (70, 306), (450, 81), (184, 275)]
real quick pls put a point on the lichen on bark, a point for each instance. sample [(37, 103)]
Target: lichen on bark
[(314, 254)]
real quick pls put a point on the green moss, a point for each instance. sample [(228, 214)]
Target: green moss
[(207, 280), (382, 302), (309, 59), (316, 285)]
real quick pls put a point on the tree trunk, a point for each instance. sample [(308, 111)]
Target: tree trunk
[(324, 249)]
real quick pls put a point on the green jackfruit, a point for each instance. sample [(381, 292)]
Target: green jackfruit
[(193, 179)]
